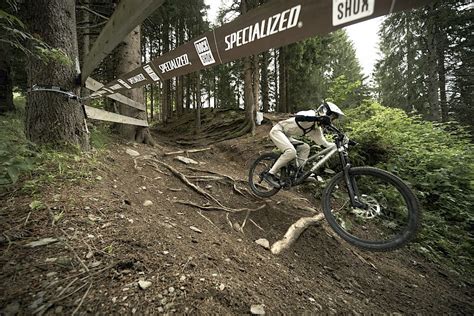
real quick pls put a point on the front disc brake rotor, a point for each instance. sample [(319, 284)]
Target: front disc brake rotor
[(372, 209)]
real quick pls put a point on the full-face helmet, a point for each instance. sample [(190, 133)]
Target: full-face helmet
[(330, 109)]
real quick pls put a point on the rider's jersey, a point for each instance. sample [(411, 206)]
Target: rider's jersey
[(291, 129)]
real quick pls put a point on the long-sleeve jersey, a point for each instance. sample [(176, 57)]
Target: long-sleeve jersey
[(291, 129)]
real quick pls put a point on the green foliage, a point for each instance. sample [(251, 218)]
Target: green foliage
[(31, 167), (408, 69), (342, 92), (16, 154), (322, 68), (436, 159), (100, 136), (37, 205), (14, 33)]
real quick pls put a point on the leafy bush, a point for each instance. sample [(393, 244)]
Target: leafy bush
[(41, 165), (16, 153), (437, 160)]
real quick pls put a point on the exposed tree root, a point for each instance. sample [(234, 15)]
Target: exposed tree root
[(294, 233), (183, 178), (238, 190), (220, 208)]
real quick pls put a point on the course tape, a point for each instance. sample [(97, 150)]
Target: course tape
[(272, 25)]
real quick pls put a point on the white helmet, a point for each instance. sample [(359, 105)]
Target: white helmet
[(330, 109)]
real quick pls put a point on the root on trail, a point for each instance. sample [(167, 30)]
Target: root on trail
[(183, 178), (220, 208), (187, 152), (196, 188), (294, 233)]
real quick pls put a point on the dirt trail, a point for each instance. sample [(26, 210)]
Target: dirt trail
[(192, 261)]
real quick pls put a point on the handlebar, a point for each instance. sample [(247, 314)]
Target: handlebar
[(340, 135)]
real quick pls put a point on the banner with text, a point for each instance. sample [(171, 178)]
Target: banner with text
[(275, 24)]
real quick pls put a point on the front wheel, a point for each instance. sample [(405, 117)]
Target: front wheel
[(388, 218)]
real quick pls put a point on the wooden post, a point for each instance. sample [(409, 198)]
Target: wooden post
[(127, 15)]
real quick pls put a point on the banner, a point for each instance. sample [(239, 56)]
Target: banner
[(275, 24)]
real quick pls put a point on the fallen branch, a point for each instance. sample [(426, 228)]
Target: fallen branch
[(362, 259), (294, 233), (187, 152), (74, 252), (251, 220), (82, 299)]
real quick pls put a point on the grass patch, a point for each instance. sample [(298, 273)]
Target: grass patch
[(28, 167)]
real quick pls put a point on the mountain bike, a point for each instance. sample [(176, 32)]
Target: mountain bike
[(368, 207)]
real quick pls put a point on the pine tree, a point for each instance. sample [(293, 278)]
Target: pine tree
[(425, 63), (50, 117)]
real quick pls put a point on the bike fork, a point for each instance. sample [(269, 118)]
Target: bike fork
[(351, 183)]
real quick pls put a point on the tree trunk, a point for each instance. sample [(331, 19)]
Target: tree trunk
[(50, 117), (283, 97), (433, 82), (188, 93), (197, 101), (264, 83), (249, 102), (256, 83), (129, 55), (152, 100), (249, 99), (216, 99), (276, 78), (6, 87), (441, 42), (410, 82)]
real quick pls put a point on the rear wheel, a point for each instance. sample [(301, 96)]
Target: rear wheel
[(389, 218), (257, 171)]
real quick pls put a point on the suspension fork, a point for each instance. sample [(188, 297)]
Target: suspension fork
[(349, 180)]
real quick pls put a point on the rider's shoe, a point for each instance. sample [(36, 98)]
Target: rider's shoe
[(311, 179), (272, 180)]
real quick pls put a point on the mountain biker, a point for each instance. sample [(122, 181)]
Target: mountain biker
[(302, 124)]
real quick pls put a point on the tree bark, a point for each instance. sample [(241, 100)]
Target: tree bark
[(50, 117), (249, 99), (129, 55), (264, 83), (276, 78), (410, 84), (197, 101), (433, 82), (282, 77), (188, 92), (84, 44), (441, 45), (6, 87), (256, 83)]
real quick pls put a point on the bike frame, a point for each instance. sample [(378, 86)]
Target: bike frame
[(327, 153)]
